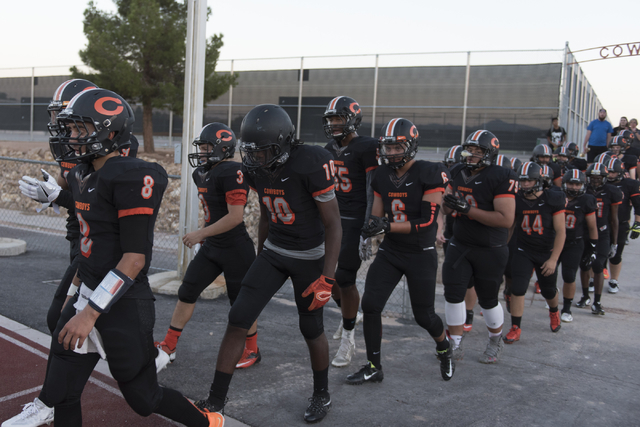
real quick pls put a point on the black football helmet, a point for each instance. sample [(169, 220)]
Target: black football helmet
[(489, 144), (266, 138), (576, 176), (531, 171), (603, 158), (94, 114), (614, 166), (572, 150), (547, 176), (453, 156), (618, 145), (348, 110), (515, 163), (219, 142), (564, 156), (398, 132), (626, 137), (597, 174), (502, 160), (541, 150)]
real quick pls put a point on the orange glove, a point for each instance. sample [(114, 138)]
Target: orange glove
[(321, 290)]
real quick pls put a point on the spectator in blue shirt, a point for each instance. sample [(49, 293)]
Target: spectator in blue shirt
[(598, 135)]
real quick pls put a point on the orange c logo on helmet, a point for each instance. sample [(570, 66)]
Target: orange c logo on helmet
[(495, 143), (100, 108), (353, 107), (413, 131), (222, 132)]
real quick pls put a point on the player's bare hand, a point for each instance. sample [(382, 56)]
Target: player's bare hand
[(440, 239), (76, 330), (190, 239), (549, 267)]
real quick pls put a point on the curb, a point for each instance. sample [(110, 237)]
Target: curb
[(12, 247)]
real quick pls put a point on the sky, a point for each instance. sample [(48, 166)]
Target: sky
[(46, 35)]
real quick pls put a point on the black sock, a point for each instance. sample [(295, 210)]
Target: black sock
[(219, 388), (348, 324), (442, 345), (566, 305), (469, 317), (516, 320), (175, 329), (321, 382), (553, 309), (585, 292), (176, 407), (338, 302), (596, 298)]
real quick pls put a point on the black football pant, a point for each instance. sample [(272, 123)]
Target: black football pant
[(485, 265), (623, 231), (570, 259), (522, 266), (349, 259), (382, 278), (127, 335)]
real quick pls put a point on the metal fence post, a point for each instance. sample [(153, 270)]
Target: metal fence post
[(230, 97), (33, 89), (466, 97), (375, 99), (300, 98)]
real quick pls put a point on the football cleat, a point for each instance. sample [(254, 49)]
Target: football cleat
[(317, 409), (162, 360), (33, 414), (596, 308), (248, 359), (613, 287), (447, 365), (346, 350), (513, 335), (166, 349), (538, 287), (606, 273), (368, 373), (566, 317), (492, 353), (555, 321), (584, 302)]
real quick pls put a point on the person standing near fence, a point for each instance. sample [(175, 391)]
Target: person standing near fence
[(227, 246), (408, 194), (556, 135), (598, 135), (483, 196), (355, 159)]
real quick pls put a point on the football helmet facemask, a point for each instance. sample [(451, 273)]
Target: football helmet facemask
[(348, 111), (88, 121), (266, 138), (216, 143), (398, 132)]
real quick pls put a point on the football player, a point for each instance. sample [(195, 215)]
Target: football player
[(227, 246), (540, 228), (608, 198), (117, 200), (580, 215), (542, 156), (408, 194), (355, 159), (298, 237), (483, 196), (630, 189), (618, 146)]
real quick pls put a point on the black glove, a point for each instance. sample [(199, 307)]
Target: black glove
[(635, 230), (377, 225), (589, 254), (457, 204)]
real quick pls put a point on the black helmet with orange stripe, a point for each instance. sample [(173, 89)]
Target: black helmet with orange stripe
[(626, 136), (615, 170), (575, 176), (485, 140), (398, 133), (547, 176), (96, 122), (215, 143), (453, 156), (541, 154), (502, 160), (597, 175), (341, 117), (515, 163), (530, 171)]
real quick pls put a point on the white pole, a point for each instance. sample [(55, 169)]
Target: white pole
[(230, 98), (300, 98), (375, 100), (33, 81), (192, 121), (170, 128), (563, 107), (466, 97)]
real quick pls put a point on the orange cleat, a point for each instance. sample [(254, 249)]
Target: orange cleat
[(512, 336), (537, 287), (249, 358), (555, 321), (606, 273)]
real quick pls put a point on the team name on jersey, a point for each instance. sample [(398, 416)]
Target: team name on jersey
[(338, 162), (83, 206), (397, 194), (274, 191), (202, 190), (530, 212), (465, 189), (67, 165), (568, 212)]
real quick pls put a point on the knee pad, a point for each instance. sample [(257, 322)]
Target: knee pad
[(493, 317), (549, 293), (617, 258), (370, 304), (311, 325), (346, 278), (455, 313), (569, 275), (187, 293)]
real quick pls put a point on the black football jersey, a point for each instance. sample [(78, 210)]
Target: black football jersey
[(222, 185), (575, 213), (123, 186), (607, 196), (557, 173), (295, 222), (629, 162), (402, 201), (480, 190), (630, 189), (73, 226), (352, 164), (534, 220)]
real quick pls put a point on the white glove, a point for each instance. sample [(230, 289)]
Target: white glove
[(43, 192), (364, 248), (613, 250)]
